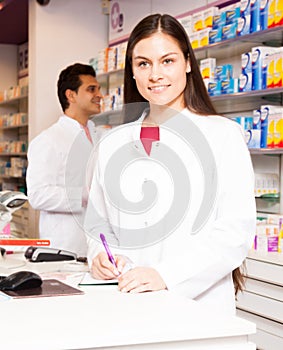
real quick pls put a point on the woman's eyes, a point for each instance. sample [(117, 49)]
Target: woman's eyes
[(143, 64), (168, 60), (146, 64)]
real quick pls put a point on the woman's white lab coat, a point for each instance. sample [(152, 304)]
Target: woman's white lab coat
[(56, 182), (211, 236)]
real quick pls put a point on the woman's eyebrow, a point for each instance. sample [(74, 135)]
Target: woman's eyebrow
[(145, 58)]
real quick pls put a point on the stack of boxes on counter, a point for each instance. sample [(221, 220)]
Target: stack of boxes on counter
[(213, 25), (269, 234), (109, 60)]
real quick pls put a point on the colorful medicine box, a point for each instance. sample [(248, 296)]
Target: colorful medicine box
[(229, 31)]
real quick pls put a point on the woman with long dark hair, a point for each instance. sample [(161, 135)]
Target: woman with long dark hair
[(181, 215)]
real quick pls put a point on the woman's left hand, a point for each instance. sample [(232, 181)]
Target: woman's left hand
[(141, 279)]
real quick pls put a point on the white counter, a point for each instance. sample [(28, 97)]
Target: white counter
[(104, 318)]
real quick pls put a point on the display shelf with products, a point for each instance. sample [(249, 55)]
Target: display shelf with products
[(235, 46), (13, 142), (13, 151)]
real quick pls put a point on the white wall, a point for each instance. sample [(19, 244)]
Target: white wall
[(8, 72), (61, 33), (176, 7)]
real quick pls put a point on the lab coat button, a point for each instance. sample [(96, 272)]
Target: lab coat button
[(145, 223)]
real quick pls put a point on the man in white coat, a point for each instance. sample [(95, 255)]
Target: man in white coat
[(57, 161)]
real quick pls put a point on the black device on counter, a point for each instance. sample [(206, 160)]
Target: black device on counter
[(20, 280), (41, 254)]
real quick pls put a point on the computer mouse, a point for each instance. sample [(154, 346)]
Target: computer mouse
[(21, 280)]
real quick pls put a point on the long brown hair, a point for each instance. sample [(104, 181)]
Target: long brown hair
[(196, 96)]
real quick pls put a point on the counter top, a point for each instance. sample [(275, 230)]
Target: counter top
[(105, 318)]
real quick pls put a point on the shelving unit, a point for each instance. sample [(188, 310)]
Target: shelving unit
[(14, 162), (261, 302)]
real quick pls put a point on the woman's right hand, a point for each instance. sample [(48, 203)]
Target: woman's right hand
[(103, 269)]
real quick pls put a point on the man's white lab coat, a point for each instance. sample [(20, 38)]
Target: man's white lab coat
[(56, 183)]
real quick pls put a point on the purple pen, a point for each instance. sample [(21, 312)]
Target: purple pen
[(110, 256)]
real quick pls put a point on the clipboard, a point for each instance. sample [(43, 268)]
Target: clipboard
[(49, 288), (88, 280)]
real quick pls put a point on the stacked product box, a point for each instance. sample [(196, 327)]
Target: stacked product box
[(121, 54), (244, 22), (275, 13), (207, 68), (261, 68), (260, 65), (255, 16), (245, 78), (265, 128), (225, 24), (229, 30), (198, 26), (218, 78), (110, 59), (266, 184), (102, 61), (269, 233)]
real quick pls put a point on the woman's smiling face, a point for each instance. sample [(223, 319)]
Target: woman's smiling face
[(159, 68)]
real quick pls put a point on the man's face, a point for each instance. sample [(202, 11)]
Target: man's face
[(88, 97)]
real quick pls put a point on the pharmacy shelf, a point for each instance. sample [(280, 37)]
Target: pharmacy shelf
[(272, 92), (23, 154), (266, 151), (240, 44), (13, 101), (13, 127)]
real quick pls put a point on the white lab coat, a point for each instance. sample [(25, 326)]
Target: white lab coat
[(57, 162), (198, 264)]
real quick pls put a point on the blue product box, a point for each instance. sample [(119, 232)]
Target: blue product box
[(214, 88), (215, 35), (223, 72), (264, 126), (232, 15), (245, 6), (219, 20), (245, 82), (240, 120), (255, 16), (248, 123), (256, 119), (244, 23), (253, 137), (258, 60), (246, 59), (227, 86), (229, 31), (263, 14)]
